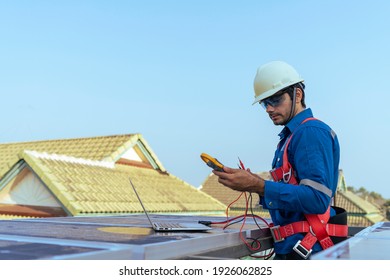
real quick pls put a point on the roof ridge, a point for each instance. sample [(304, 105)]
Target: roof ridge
[(70, 139), (70, 159)]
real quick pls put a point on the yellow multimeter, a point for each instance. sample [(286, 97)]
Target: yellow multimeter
[(212, 162)]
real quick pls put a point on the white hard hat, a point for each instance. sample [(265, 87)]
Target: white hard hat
[(273, 77)]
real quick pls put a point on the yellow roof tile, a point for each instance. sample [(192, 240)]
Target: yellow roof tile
[(96, 187), (94, 148), (227, 196), (12, 217)]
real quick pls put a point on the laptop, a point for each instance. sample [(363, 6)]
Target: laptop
[(170, 226)]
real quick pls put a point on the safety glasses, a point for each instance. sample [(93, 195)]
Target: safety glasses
[(274, 100)]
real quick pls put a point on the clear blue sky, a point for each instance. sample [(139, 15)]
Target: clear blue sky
[(181, 74)]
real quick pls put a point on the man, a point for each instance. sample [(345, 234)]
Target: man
[(311, 159)]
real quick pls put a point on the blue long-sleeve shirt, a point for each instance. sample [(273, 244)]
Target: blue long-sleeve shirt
[(314, 154)]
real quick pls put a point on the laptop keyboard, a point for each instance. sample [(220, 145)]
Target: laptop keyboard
[(168, 225)]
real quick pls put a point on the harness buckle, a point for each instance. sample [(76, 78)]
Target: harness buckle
[(302, 251), (287, 175), (276, 235)]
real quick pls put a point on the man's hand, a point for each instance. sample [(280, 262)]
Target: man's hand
[(241, 180)]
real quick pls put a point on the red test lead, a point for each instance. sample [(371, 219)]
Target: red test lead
[(241, 164)]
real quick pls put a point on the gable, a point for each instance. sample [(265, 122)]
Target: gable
[(341, 184), (26, 189), (138, 153), (24, 195), (115, 148)]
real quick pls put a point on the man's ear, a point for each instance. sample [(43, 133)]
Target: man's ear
[(298, 95)]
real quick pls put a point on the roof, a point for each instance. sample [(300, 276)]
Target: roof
[(105, 148), (91, 176), (360, 212), (231, 197), (360, 205)]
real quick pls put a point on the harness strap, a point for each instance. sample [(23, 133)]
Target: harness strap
[(318, 232), (279, 233), (286, 171), (316, 226)]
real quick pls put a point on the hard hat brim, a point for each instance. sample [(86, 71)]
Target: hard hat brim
[(272, 91)]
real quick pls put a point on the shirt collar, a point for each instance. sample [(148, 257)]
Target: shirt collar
[(295, 122)]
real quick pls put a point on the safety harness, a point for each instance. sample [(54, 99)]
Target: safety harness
[(317, 226)]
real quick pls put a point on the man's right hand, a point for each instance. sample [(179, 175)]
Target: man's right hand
[(241, 180)]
